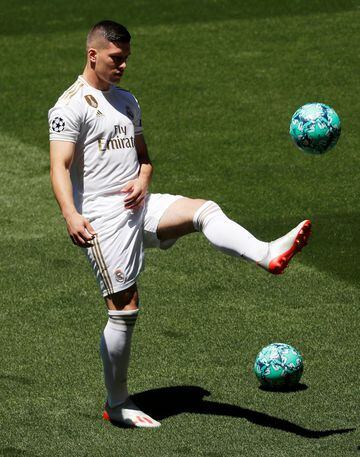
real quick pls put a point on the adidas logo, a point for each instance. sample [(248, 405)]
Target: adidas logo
[(99, 113)]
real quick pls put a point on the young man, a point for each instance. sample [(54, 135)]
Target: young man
[(100, 173)]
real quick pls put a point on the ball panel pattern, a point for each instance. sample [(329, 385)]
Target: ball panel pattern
[(278, 364), (315, 128)]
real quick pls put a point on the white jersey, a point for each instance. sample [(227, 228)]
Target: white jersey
[(103, 125)]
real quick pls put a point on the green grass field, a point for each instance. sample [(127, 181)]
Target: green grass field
[(218, 81)]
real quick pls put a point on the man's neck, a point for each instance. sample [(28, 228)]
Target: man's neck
[(93, 80)]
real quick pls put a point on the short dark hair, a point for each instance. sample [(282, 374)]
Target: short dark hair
[(111, 31)]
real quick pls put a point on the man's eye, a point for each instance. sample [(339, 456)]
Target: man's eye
[(118, 60)]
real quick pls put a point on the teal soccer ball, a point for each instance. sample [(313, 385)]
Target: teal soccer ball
[(278, 365), (315, 128)]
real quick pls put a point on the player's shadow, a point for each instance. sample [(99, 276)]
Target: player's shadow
[(170, 401)]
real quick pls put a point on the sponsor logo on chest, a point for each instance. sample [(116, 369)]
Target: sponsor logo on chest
[(120, 139)]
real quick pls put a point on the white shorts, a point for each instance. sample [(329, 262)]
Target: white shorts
[(118, 252)]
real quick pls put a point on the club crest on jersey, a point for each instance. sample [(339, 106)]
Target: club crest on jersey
[(119, 275), (129, 112), (57, 124), (91, 100)]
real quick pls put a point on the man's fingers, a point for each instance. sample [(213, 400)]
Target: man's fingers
[(83, 244), (133, 196), (80, 230), (82, 239), (136, 203), (90, 229), (85, 236), (127, 187), (77, 240)]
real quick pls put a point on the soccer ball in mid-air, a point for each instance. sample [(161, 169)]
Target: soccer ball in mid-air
[(315, 128), (278, 365)]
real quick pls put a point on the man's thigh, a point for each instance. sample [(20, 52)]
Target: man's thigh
[(117, 252), (168, 217), (125, 300)]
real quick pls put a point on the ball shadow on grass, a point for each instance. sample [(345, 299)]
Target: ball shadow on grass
[(285, 389)]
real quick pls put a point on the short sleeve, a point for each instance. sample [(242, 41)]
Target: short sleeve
[(137, 118), (64, 124)]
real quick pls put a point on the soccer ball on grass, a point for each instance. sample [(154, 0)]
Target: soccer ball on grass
[(315, 128), (278, 365)]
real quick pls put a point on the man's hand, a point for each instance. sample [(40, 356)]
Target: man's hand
[(136, 190), (80, 230)]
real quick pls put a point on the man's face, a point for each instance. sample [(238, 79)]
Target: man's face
[(110, 62)]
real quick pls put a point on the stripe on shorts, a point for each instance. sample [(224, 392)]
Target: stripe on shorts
[(99, 258)]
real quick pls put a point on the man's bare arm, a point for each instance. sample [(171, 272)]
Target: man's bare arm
[(61, 156), (137, 188)]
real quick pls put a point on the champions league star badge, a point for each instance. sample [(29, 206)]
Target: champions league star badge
[(58, 124)]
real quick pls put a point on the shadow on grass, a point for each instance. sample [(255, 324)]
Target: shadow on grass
[(15, 378), (14, 452), (284, 389), (171, 401)]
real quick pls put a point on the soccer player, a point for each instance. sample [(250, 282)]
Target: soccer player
[(100, 173)]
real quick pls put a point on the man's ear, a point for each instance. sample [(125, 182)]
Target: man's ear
[(92, 53)]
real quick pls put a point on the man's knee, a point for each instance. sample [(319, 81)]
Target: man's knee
[(196, 204), (206, 212), (177, 220), (125, 300)]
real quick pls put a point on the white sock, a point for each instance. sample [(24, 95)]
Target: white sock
[(226, 235), (115, 349)]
